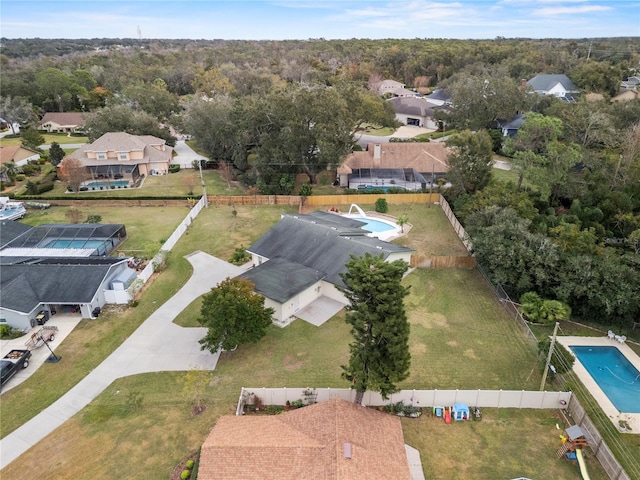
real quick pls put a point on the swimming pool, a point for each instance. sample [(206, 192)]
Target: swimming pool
[(112, 183), (374, 225), (76, 244), (614, 374)]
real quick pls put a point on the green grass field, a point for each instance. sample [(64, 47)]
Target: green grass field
[(460, 338), (49, 138)]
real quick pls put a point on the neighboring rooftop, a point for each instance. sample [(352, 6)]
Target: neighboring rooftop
[(423, 157), (544, 82), (332, 440)]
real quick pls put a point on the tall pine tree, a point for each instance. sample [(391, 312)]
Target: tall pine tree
[(380, 355)]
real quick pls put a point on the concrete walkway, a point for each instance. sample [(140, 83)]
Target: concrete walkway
[(157, 345)]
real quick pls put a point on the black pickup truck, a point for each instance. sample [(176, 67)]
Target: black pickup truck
[(12, 363)]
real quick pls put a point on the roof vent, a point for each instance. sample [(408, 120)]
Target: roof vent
[(347, 450)]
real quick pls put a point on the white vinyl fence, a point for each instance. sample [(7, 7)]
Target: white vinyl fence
[(415, 398), (145, 274)]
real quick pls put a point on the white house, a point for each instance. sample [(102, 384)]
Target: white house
[(300, 259), (558, 85)]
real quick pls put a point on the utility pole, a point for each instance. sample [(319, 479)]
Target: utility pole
[(546, 366), (589, 53)]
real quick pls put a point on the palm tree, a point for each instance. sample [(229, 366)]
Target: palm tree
[(402, 220), (9, 170)]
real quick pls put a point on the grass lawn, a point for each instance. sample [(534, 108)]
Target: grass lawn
[(185, 183), (49, 138), (460, 338), (147, 227), (376, 130)]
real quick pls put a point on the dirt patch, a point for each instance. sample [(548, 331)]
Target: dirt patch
[(418, 348), (289, 365), (452, 343), (197, 409), (469, 353), (175, 474)]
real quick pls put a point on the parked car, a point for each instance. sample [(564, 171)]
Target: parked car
[(12, 363)]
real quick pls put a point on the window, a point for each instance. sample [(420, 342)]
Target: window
[(123, 156), (101, 155)]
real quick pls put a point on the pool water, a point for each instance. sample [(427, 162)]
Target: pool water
[(374, 226), (112, 183), (75, 244), (614, 374)]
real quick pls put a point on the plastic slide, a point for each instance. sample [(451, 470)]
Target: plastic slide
[(583, 465), (447, 416)]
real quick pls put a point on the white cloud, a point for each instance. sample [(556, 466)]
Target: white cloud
[(550, 11)]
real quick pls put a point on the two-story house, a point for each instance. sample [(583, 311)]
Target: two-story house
[(119, 155)]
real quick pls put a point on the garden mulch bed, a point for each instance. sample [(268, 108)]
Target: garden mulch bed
[(175, 474)]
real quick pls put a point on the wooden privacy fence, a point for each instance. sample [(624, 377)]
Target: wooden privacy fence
[(600, 449), (416, 398), (254, 199), (370, 199), (457, 226)]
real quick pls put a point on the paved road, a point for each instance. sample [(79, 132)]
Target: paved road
[(157, 345), (67, 146), (406, 131)]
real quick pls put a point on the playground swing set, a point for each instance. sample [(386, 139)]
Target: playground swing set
[(458, 412), (574, 441)]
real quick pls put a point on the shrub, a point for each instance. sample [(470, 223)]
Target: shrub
[(93, 219), (7, 332), (239, 256), (185, 474), (44, 187), (190, 464), (174, 168), (20, 177), (381, 205)]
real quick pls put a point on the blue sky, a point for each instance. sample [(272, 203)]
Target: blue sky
[(330, 19)]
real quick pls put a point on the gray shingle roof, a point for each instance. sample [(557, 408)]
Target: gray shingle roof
[(267, 278), (412, 106), (318, 245), (546, 81), (26, 282), (10, 230)]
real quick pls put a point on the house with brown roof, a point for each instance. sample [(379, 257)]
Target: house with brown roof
[(65, 122), (120, 155), (18, 154), (332, 440), (415, 111), (409, 166)]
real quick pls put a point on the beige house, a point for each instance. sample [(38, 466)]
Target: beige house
[(332, 440), (18, 154), (66, 122), (121, 156), (410, 166)]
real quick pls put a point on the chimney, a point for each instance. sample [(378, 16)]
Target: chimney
[(376, 151), (523, 84), (347, 450)]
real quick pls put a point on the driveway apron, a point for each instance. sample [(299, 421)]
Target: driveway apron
[(157, 345)]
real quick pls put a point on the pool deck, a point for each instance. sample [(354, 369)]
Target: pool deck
[(612, 412)]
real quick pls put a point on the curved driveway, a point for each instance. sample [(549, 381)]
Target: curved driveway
[(157, 345)]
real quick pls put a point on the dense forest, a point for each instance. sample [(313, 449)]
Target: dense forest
[(568, 229)]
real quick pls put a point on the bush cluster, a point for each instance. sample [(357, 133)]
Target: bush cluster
[(174, 168)]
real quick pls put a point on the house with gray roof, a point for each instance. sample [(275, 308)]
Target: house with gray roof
[(56, 267), (122, 156), (299, 261), (558, 85), (415, 111)]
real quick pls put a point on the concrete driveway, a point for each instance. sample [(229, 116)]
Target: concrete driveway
[(406, 131), (185, 155), (157, 345)]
